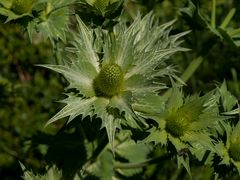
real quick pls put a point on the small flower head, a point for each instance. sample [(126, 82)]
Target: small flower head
[(22, 6), (127, 73), (186, 123), (177, 123), (109, 81), (229, 151), (179, 120), (185, 118), (228, 148)]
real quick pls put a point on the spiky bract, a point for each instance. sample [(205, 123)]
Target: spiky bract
[(186, 123), (229, 151), (130, 70)]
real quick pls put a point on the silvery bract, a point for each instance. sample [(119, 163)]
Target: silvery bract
[(114, 71)]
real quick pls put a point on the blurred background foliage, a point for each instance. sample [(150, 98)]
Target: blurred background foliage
[(28, 93), (27, 96)]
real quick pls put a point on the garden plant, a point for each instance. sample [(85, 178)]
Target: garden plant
[(119, 89)]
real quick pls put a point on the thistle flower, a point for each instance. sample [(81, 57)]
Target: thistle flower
[(133, 58), (22, 6), (185, 123), (15, 9), (229, 150)]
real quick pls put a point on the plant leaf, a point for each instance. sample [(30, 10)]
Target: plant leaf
[(228, 100), (85, 45), (11, 15), (75, 106), (76, 78)]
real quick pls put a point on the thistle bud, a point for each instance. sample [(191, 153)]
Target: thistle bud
[(22, 6)]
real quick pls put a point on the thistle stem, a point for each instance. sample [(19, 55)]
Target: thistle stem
[(99, 150), (56, 53), (102, 145), (228, 18), (213, 16), (191, 68)]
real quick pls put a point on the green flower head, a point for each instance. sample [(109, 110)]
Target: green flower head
[(185, 116), (22, 6), (229, 148), (186, 123), (16, 9), (229, 151), (132, 63)]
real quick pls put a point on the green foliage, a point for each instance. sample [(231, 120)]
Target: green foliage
[(24, 105), (137, 104)]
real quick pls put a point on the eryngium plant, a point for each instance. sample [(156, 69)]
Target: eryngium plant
[(130, 68), (188, 123), (230, 150)]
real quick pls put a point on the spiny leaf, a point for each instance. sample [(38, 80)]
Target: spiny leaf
[(52, 173), (133, 152), (76, 78), (111, 123), (157, 136), (11, 15), (176, 99), (75, 106), (103, 167), (178, 144), (228, 100), (56, 25), (123, 103), (148, 105), (53, 20), (86, 45), (185, 162), (203, 138)]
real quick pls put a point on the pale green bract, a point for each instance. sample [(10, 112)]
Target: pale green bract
[(229, 149), (52, 173), (188, 124), (138, 52)]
